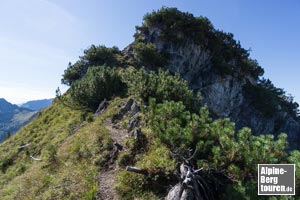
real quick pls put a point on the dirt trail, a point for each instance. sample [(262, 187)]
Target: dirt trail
[(107, 176)]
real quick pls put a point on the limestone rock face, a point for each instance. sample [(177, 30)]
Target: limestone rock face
[(223, 94)]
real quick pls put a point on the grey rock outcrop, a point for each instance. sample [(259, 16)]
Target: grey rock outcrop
[(102, 106), (129, 108)]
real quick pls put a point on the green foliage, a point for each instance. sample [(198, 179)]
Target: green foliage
[(148, 55), (167, 119), (295, 158), (93, 56), (175, 125), (98, 83), (268, 99), (236, 153), (104, 82), (227, 54), (178, 27), (161, 86), (173, 22)]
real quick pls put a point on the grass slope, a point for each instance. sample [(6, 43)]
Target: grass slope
[(72, 151)]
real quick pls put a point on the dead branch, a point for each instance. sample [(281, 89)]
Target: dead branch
[(137, 170), (23, 146), (35, 159), (193, 156)]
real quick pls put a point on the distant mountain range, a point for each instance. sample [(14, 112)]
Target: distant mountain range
[(36, 104), (13, 117)]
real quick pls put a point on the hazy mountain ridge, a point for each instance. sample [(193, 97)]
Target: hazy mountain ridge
[(5, 106), (13, 117), (36, 104)]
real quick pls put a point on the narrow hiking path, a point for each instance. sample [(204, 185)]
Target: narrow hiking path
[(117, 133), (107, 176)]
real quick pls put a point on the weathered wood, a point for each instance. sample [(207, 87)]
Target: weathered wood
[(194, 155), (175, 193), (193, 186), (35, 159), (137, 170), (23, 146)]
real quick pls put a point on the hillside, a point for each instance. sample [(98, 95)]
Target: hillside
[(12, 118), (37, 104), (136, 123)]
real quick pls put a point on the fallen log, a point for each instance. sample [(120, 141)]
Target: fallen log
[(137, 170)]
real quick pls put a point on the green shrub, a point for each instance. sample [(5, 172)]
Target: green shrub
[(294, 159), (268, 99), (223, 149), (161, 86), (93, 56), (172, 22), (148, 55), (178, 27), (98, 83), (167, 120)]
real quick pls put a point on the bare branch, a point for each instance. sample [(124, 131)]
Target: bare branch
[(137, 170), (35, 159), (23, 146), (194, 155), (198, 170)]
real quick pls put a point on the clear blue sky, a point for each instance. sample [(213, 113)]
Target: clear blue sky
[(39, 37)]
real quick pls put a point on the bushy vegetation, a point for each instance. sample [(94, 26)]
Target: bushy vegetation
[(148, 56), (220, 146), (221, 149), (93, 56), (172, 22), (269, 99), (104, 82), (98, 83), (160, 85), (178, 27)]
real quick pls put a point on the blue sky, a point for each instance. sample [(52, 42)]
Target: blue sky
[(39, 37)]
